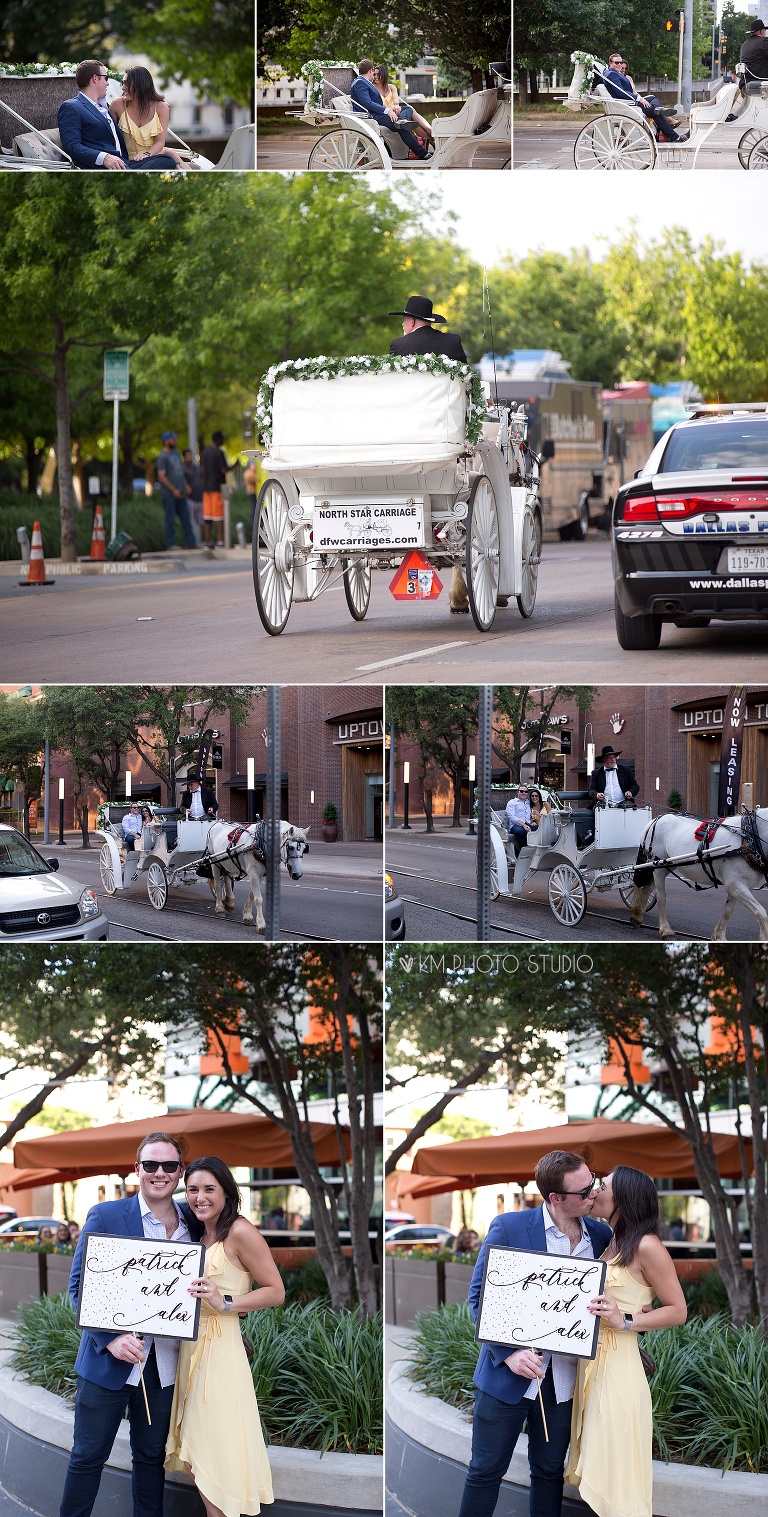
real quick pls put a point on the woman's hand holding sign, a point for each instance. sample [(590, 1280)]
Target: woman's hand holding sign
[(207, 1291)]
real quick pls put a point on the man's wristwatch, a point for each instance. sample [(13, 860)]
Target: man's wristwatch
[(628, 1321), (227, 1303)]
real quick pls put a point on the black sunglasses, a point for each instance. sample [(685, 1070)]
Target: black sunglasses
[(168, 1166), (582, 1193)]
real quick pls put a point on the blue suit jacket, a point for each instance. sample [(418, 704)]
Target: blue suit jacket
[(368, 99), (84, 133), (523, 1229), (115, 1217)]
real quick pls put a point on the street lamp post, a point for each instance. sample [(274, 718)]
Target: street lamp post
[(484, 814), (128, 778), (406, 788), (273, 813), (62, 844), (251, 812), (471, 828)]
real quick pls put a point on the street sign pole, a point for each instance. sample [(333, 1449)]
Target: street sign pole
[(115, 435), (274, 761), (484, 736), (686, 57), (116, 388)]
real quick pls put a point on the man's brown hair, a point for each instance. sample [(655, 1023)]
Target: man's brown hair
[(86, 70), (159, 1137), (365, 65), (552, 1169)]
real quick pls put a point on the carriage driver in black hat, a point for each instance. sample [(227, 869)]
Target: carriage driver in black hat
[(612, 783), (419, 335)]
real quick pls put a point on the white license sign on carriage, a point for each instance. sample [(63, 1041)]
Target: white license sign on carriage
[(140, 1285), (538, 1300)]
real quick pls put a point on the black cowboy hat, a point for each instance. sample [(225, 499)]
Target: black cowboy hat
[(421, 308), (756, 25), (607, 750)]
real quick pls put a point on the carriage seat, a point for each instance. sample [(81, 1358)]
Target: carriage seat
[(476, 113), (30, 145), (344, 105), (616, 107), (727, 101)]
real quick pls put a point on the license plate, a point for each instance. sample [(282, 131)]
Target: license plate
[(747, 560), (372, 525)]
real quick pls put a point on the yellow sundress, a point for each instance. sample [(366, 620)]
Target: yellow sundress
[(612, 1422), (215, 1426), (139, 139)]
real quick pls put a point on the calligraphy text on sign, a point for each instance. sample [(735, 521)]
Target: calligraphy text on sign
[(133, 1285), (539, 1300)]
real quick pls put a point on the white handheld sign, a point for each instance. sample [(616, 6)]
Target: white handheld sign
[(539, 1300), (140, 1285)]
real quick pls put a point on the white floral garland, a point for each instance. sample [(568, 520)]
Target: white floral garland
[(592, 65), (385, 363), (32, 70), (313, 73)]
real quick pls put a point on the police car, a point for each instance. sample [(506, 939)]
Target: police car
[(690, 531)]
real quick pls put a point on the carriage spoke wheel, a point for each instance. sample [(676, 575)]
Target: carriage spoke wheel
[(526, 600), (273, 557), (157, 885), (746, 144), (494, 879), (107, 870), (482, 553), (758, 157), (567, 894), (344, 148), (614, 142), (357, 586), (627, 893)]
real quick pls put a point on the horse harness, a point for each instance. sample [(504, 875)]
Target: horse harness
[(751, 850), (233, 854)]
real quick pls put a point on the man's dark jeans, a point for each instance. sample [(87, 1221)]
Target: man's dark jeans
[(98, 1414), (171, 505), (409, 138), (496, 1427), (658, 117)]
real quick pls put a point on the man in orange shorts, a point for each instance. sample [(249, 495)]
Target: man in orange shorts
[(214, 469)]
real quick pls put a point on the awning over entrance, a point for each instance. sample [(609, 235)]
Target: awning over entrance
[(512, 1157), (237, 1138)]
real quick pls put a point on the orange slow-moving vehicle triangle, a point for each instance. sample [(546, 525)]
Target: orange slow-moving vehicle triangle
[(416, 579)]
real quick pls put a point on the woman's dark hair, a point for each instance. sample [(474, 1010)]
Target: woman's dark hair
[(382, 74), (232, 1197), (140, 84), (636, 1211), (534, 790)]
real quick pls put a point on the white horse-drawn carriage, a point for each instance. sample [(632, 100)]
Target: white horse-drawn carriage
[(478, 136), (374, 459), (578, 848), (624, 139), (173, 850)]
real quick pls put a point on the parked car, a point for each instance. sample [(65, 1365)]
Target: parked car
[(7, 1214), (37, 904), (27, 1227), (394, 913), (396, 1219), (690, 531), (418, 1235)]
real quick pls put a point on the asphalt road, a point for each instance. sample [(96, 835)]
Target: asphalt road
[(547, 143), (337, 899), (292, 150), (91, 630), (435, 876)]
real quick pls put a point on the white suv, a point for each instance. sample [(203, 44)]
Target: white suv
[(37, 904)]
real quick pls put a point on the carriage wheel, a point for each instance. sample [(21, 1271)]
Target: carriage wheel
[(482, 553), (614, 142), (344, 148), (357, 586), (273, 557), (157, 885), (567, 894), (526, 600), (627, 893), (106, 870), (746, 144), (494, 879), (758, 158)]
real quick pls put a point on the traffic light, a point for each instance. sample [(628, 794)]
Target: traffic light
[(677, 24)]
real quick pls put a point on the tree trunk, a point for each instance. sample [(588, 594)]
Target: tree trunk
[(522, 81), (64, 448), (360, 1187), (750, 1015), (534, 87), (427, 797), (83, 815), (477, 80)]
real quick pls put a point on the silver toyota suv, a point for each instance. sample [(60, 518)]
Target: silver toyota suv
[(37, 904)]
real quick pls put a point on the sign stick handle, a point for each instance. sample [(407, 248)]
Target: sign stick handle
[(140, 1336), (541, 1402)]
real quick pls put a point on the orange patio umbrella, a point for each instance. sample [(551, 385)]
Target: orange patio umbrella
[(237, 1138), (18, 1180), (602, 1144)]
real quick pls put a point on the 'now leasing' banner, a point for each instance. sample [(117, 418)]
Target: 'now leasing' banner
[(730, 752)]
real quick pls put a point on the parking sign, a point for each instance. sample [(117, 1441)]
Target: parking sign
[(116, 385)]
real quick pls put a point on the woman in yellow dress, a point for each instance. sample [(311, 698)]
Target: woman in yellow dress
[(215, 1432), (142, 116), (391, 99), (612, 1423)]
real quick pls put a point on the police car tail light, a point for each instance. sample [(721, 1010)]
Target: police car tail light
[(641, 508)]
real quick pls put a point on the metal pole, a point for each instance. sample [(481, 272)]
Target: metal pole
[(406, 790), (115, 429), (192, 424), (272, 913), (251, 798), (686, 55), (47, 795), (712, 63), (62, 843), (392, 774), (484, 813)]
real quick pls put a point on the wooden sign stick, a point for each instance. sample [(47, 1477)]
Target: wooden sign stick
[(140, 1337), (541, 1403)]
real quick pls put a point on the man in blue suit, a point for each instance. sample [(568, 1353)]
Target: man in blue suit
[(89, 132), (368, 99), (506, 1378), (108, 1365)]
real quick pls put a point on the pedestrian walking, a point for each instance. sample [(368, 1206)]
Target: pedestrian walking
[(214, 469), (169, 472)]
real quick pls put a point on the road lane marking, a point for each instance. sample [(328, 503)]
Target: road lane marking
[(403, 658)]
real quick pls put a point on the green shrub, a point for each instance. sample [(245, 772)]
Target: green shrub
[(709, 1390), (706, 1295), (307, 1283), (31, 1246), (140, 516), (45, 1343)]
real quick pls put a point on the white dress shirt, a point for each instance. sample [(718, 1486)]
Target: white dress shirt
[(166, 1349), (196, 805), (132, 825), (103, 109), (613, 792), (564, 1366)]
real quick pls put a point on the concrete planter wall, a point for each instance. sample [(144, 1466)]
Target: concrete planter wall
[(20, 1276), (58, 1270), (428, 1449), (457, 1279), (415, 1288)]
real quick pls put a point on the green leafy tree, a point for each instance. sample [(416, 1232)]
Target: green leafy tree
[(523, 718), (441, 720), (734, 25), (209, 42), (29, 421), (91, 724), (48, 32), (154, 726), (547, 32), (22, 737)]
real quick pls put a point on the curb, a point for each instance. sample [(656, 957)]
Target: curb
[(132, 567)]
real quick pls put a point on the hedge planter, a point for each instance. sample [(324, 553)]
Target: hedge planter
[(416, 1288)]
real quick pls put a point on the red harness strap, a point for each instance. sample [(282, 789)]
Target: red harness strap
[(706, 830)]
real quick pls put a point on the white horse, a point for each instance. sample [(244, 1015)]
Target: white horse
[(240, 853), (722, 863)]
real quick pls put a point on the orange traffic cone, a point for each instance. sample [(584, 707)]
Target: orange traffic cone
[(36, 575), (99, 538)]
